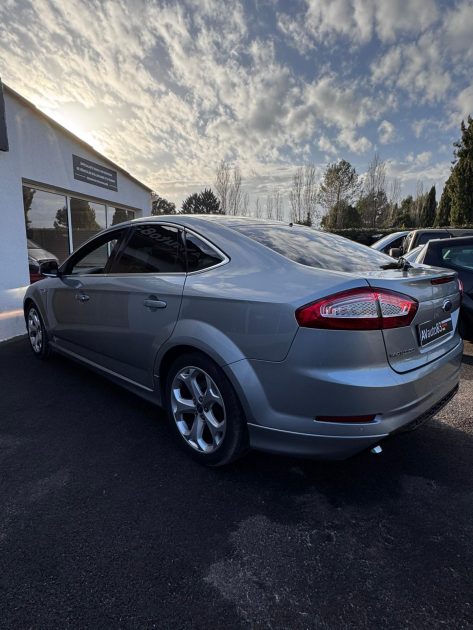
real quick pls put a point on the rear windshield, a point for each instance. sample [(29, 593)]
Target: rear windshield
[(314, 248)]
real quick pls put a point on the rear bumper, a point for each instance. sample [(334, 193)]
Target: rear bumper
[(326, 446), (282, 402)]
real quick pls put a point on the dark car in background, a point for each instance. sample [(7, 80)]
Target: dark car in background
[(36, 257), (455, 254), (419, 237)]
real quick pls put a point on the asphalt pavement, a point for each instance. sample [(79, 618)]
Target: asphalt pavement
[(104, 523)]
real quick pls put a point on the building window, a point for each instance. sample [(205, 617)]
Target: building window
[(118, 215), (56, 225), (46, 223), (87, 218)]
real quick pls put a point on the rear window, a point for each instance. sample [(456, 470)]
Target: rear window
[(459, 256), (314, 248), (428, 236)]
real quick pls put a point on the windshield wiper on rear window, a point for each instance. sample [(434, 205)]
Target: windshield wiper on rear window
[(401, 263)]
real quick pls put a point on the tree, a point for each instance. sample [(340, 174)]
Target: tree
[(310, 195), (60, 222), (235, 192), (427, 215), (204, 202), (442, 218), (461, 185), (278, 208), (83, 216), (303, 195), (160, 205), (258, 209), (374, 202), (222, 184), (338, 191), (404, 218), (209, 203), (192, 205), (28, 194), (296, 195)]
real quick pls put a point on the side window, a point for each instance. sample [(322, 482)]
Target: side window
[(152, 249), (94, 258), (428, 236), (199, 254)]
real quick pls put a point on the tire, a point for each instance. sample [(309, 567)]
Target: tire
[(204, 411), (37, 333)]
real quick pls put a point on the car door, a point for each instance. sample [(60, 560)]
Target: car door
[(122, 317)]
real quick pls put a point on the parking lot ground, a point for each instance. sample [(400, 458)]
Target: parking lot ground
[(104, 523)]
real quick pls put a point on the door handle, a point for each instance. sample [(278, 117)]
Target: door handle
[(82, 297), (154, 303)]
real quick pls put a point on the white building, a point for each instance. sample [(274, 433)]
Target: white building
[(55, 192)]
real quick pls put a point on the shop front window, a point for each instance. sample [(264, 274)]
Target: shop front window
[(119, 215), (46, 224), (87, 218)]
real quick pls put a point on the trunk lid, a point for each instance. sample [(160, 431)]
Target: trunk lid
[(403, 348)]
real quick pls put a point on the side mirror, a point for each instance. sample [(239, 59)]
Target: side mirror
[(49, 269), (395, 252)]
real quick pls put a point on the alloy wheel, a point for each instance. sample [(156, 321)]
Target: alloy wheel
[(198, 409), (35, 330)]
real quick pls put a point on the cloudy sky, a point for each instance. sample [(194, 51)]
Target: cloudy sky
[(168, 89)]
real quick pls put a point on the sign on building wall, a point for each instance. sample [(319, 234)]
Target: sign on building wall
[(95, 174), (3, 123)]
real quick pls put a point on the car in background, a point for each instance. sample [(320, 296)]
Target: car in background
[(254, 333), (455, 254), (390, 241), (421, 236), (36, 257)]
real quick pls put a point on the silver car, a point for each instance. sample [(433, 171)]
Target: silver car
[(255, 333)]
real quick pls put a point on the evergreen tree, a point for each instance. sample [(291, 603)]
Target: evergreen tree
[(429, 206), (209, 202), (462, 177), (201, 203), (192, 205), (404, 218), (442, 218), (160, 205)]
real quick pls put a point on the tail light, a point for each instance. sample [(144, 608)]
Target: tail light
[(359, 309)]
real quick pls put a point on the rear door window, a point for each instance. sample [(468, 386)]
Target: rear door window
[(314, 248)]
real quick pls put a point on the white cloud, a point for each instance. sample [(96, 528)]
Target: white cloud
[(464, 104), (356, 20), (386, 131), (357, 144)]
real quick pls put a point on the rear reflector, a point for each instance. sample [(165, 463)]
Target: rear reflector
[(442, 280), (359, 309), (350, 419)]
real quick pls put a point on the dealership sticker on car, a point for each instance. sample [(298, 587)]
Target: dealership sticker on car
[(431, 331)]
